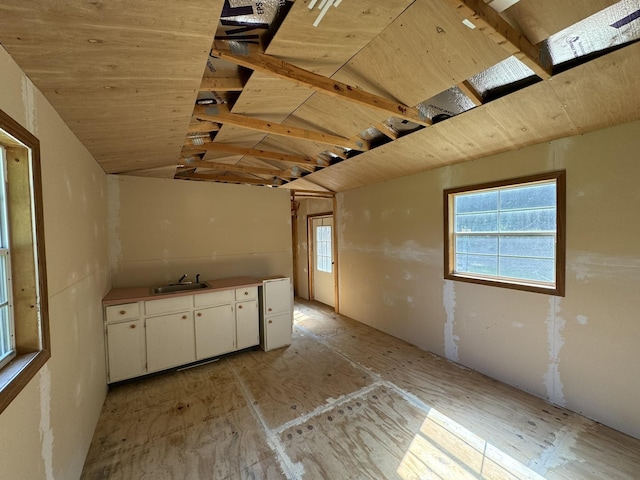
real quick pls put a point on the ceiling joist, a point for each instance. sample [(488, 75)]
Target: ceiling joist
[(213, 114), (254, 152), (466, 88), (489, 22), (279, 68), (273, 172), (229, 179), (203, 127)]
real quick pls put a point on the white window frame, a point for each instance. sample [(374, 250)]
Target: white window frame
[(321, 250), (556, 287)]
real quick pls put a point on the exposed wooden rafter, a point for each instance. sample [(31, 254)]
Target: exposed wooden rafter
[(273, 172), (488, 21), (279, 68), (229, 179), (203, 127), (387, 130), (466, 88), (254, 152), (216, 113)]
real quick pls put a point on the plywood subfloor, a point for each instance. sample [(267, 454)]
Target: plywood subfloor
[(345, 401)]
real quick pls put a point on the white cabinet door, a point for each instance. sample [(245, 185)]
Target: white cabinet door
[(125, 349), (215, 331), (170, 341), (277, 296), (277, 331), (247, 327)]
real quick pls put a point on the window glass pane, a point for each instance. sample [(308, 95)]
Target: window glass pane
[(487, 244), (507, 233), (3, 279), (323, 249), (6, 343), (528, 221), (477, 202), (534, 196), (4, 234), (482, 264), (476, 222), (529, 245), (539, 269)]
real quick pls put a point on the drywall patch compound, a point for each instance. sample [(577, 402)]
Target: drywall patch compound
[(28, 100), (46, 434), (555, 326), (450, 339)]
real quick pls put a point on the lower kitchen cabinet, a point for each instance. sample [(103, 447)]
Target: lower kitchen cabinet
[(247, 328), (126, 352), (215, 330), (276, 317), (170, 341), (146, 335), (277, 331)]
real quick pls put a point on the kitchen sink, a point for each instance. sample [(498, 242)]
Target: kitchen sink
[(182, 287)]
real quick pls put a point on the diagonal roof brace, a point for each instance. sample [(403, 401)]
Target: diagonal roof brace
[(273, 66), (219, 114)]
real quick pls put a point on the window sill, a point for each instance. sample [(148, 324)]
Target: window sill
[(17, 374)]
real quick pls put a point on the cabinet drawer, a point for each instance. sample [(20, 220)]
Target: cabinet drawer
[(168, 305), (213, 298), (125, 311), (246, 293)]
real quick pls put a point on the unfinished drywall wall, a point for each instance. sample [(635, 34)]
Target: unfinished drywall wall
[(576, 351), (161, 229), (306, 207), (47, 429)]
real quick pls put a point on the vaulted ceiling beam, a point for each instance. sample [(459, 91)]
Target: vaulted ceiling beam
[(273, 172), (215, 113), (466, 88), (489, 22), (279, 68), (254, 152), (229, 179), (203, 127)]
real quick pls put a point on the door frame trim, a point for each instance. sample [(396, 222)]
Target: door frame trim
[(310, 254)]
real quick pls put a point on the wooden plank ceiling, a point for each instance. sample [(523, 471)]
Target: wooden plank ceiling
[(130, 79)]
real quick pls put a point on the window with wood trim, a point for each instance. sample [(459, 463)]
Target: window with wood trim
[(24, 325), (508, 233), (324, 251)]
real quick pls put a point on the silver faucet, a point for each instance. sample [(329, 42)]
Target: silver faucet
[(182, 280)]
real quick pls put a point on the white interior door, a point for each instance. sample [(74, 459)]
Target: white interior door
[(323, 260)]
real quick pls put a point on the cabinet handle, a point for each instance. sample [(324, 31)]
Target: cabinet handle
[(239, 306), (270, 321), (132, 326), (184, 317), (122, 312), (246, 293), (199, 314), (270, 309)]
